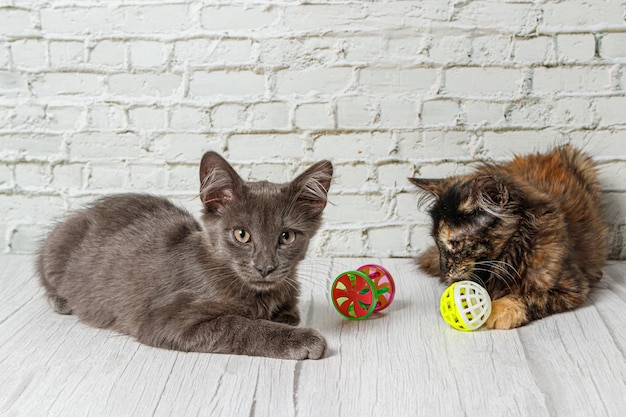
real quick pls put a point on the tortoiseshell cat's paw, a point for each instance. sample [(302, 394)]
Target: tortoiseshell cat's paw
[(304, 344), (428, 261), (507, 313)]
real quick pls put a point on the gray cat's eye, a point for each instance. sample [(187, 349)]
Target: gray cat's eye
[(287, 237), (241, 235)]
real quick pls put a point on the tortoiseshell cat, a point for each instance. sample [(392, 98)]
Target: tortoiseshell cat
[(531, 231), (141, 266)]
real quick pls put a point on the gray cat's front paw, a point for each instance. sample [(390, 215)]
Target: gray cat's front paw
[(305, 344), (291, 318)]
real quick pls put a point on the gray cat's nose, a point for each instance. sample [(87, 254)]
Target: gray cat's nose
[(265, 270)]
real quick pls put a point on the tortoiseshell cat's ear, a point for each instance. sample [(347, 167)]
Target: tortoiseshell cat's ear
[(490, 191), (311, 187), (219, 183), (436, 187)]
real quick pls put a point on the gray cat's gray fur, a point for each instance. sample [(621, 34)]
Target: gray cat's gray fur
[(141, 266)]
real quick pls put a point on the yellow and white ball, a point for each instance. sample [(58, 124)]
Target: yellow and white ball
[(465, 305)]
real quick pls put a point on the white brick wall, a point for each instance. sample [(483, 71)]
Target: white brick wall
[(99, 97)]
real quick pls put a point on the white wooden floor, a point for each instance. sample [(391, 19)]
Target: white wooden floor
[(403, 362)]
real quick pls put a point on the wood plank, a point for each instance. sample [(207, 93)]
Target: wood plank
[(404, 361)]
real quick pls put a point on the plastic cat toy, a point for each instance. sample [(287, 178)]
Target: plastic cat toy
[(465, 305), (358, 294)]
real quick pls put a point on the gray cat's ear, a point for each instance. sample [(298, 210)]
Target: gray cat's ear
[(219, 183), (311, 187), (436, 187)]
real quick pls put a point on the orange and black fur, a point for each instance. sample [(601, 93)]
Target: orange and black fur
[(530, 231)]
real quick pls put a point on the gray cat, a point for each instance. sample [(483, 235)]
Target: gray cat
[(139, 265)]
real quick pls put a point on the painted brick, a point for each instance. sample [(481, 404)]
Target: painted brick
[(503, 144), (106, 117), (612, 176), (31, 145), (190, 118), (428, 144), (32, 175), (601, 142), (25, 239), (314, 116), (571, 79), (64, 117), (147, 177), (576, 47), (107, 53), (533, 50), (67, 83), (490, 50), (66, 53), (272, 146), (212, 52), (316, 51), (104, 176), (97, 146), (128, 19), (147, 118), (354, 49), (394, 175), (450, 49), (147, 54), (359, 147), (408, 208), (238, 17), (398, 113), (318, 81), (483, 81), (581, 13), (67, 176), (185, 147), (155, 85), (229, 83), (440, 112), (350, 176), (183, 177), (13, 84), (495, 14), (6, 177), (32, 209), (269, 116), (15, 21), (4, 56), (393, 80), (357, 112), (341, 242), (483, 113), (29, 53), (388, 241), (613, 45), (24, 115), (347, 207), (572, 111), (307, 17), (420, 238), (229, 116), (533, 112), (611, 110), (274, 172)]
